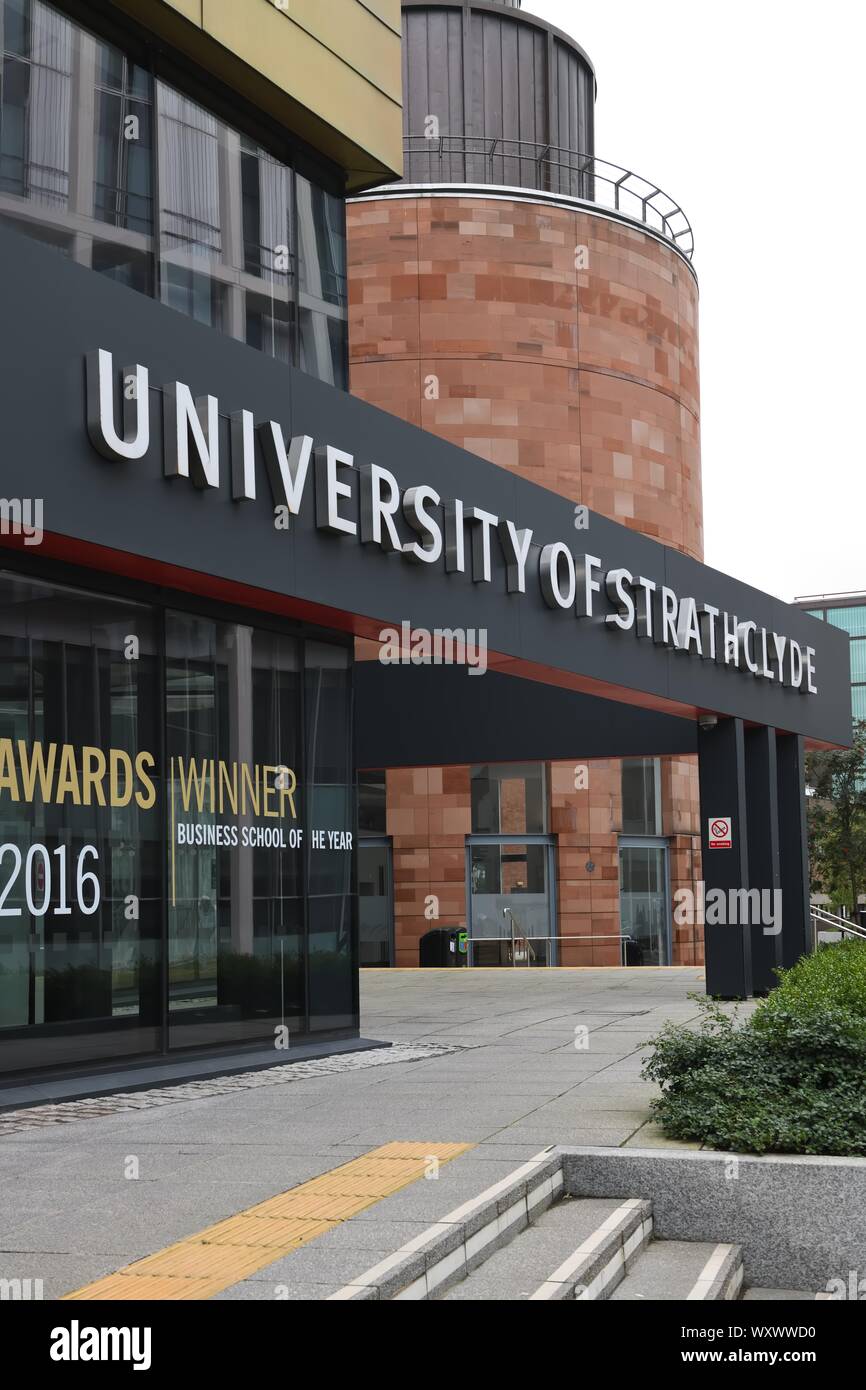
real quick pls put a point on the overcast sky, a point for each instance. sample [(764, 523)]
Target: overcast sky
[(752, 117)]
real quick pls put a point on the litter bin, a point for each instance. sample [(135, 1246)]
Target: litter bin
[(443, 948)]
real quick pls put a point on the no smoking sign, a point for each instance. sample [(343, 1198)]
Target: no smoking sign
[(720, 832)]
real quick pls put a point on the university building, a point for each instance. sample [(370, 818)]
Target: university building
[(210, 787), (538, 306), (848, 613)]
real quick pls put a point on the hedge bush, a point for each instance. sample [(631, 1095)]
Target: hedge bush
[(789, 1079)]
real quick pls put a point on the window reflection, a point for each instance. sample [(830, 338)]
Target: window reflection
[(330, 868), (80, 866), (236, 909), (238, 868), (508, 798), (641, 796), (247, 246)]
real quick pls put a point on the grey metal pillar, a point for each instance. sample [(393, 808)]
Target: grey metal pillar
[(793, 849), (722, 776), (762, 803)]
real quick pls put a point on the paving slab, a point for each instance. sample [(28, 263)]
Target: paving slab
[(513, 1090)]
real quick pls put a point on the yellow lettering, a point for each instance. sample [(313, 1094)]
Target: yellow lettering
[(91, 778), (8, 775), (254, 793), (33, 765), (268, 791), (118, 760), (287, 791), (229, 785), (67, 777), (195, 779), (147, 797)]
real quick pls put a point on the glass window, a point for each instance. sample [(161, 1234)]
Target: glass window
[(858, 701), (509, 798), (815, 612), (851, 620), (123, 141), (76, 143), (323, 283), (246, 245), (375, 913), (329, 833), (236, 959), (80, 806), (371, 803), (858, 659), (641, 796), (231, 853)]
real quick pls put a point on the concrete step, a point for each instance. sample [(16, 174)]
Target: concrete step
[(577, 1244), (676, 1270), (777, 1296)]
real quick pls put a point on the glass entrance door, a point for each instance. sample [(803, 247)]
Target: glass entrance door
[(511, 909), (645, 913)]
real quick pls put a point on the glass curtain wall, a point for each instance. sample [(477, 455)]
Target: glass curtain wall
[(375, 873), (236, 911), (331, 866), (80, 818), (121, 171), (216, 906)]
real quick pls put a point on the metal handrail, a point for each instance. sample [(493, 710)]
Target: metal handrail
[(473, 941), (820, 917), (561, 170)]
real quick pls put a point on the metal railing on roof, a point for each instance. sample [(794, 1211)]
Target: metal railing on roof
[(551, 169)]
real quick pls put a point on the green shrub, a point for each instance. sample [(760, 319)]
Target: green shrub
[(790, 1079)]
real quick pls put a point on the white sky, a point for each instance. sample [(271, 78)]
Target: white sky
[(752, 116)]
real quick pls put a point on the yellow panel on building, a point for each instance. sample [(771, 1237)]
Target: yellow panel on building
[(329, 72)]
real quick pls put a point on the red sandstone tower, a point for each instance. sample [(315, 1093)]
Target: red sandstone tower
[(536, 305)]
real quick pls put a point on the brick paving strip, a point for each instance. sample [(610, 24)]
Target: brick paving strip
[(221, 1255), (64, 1112)]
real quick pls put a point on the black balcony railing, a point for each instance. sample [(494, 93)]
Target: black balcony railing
[(551, 169)]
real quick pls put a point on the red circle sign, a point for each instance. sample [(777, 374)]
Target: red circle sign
[(720, 829)]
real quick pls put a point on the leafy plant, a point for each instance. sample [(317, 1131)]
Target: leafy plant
[(789, 1079), (837, 820)]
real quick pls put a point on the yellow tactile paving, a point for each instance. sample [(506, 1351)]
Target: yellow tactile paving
[(204, 1264)]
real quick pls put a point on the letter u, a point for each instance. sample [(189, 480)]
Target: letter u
[(134, 442)]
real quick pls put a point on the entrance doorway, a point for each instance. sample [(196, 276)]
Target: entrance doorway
[(375, 903), (644, 901), (511, 909)]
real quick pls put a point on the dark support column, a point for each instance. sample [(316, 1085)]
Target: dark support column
[(722, 773), (762, 800), (793, 849)]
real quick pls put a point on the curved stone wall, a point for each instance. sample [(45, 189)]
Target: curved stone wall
[(548, 339)]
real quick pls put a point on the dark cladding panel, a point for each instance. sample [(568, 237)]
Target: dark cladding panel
[(573, 102), (493, 78), (499, 719), (149, 520), (433, 87)]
